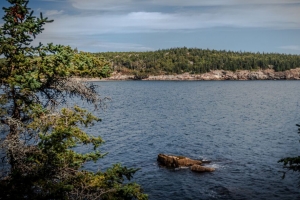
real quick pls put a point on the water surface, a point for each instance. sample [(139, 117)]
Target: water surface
[(243, 127)]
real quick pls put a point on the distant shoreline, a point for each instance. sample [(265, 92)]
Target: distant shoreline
[(268, 74)]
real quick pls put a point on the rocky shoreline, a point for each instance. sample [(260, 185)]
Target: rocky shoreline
[(268, 74)]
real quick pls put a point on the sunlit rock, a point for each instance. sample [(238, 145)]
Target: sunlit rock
[(176, 161), (172, 161), (199, 168)]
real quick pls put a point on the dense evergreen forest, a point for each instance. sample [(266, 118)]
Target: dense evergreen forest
[(175, 61), (196, 61), (82, 64)]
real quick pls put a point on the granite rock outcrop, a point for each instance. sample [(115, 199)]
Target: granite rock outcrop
[(268, 74)]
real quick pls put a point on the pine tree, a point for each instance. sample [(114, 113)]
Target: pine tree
[(38, 137), (291, 163)]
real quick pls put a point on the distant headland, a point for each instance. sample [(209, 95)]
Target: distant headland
[(200, 64)]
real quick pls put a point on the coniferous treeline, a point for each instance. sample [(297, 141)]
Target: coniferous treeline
[(196, 61), (83, 64)]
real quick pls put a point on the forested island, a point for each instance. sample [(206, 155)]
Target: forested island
[(201, 64)]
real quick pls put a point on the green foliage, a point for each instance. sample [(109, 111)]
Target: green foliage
[(88, 65), (139, 75), (291, 163), (197, 61), (38, 138)]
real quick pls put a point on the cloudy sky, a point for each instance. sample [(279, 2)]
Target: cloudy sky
[(143, 25)]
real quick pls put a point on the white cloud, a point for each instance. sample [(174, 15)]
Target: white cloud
[(92, 18), (50, 13), (55, 0), (254, 17), (122, 46), (138, 17), (220, 2), (102, 5), (132, 4), (291, 47), (89, 43)]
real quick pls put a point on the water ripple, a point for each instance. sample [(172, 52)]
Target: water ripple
[(244, 127)]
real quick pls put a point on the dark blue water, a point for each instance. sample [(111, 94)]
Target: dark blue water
[(243, 127)]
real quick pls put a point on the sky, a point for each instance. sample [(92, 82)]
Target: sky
[(146, 25)]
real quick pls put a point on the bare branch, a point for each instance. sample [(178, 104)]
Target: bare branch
[(74, 87)]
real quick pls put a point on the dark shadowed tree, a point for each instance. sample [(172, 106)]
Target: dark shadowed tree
[(37, 136), (291, 163)]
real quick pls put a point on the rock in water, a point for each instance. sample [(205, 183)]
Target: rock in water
[(168, 161), (176, 161), (172, 161), (199, 168), (187, 162)]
